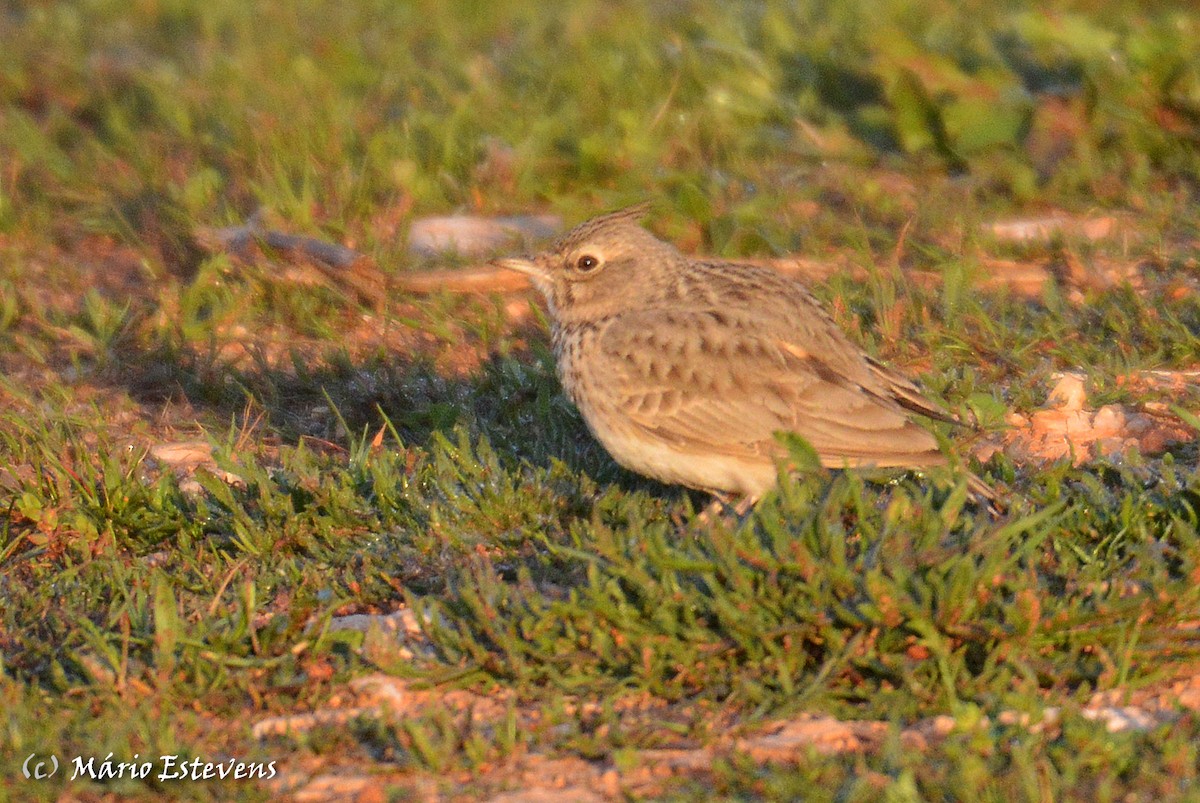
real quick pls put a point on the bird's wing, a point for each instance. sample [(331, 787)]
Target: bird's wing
[(703, 382), (783, 304), (908, 395)]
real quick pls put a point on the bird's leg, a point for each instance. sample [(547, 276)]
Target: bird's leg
[(722, 502), (713, 509), (745, 504)]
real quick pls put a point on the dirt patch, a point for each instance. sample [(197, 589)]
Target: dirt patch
[(1068, 428)]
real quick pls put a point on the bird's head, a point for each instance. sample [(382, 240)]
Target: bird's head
[(602, 266)]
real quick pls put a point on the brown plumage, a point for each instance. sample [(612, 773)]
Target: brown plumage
[(684, 369)]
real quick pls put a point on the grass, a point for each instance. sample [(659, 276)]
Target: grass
[(422, 455)]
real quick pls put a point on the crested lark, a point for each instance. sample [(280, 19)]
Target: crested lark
[(684, 368)]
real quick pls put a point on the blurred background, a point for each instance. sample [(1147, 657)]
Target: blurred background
[(748, 120)]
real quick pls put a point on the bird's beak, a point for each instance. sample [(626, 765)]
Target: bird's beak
[(521, 265)]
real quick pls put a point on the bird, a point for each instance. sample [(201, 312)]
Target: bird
[(685, 368)]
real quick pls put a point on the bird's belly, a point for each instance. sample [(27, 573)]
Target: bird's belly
[(643, 452), (654, 457)]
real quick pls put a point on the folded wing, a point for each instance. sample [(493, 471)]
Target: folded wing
[(716, 381)]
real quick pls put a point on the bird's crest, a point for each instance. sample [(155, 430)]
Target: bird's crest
[(586, 229)]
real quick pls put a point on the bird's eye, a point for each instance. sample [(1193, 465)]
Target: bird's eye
[(587, 262)]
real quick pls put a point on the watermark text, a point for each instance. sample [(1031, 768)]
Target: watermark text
[(162, 768)]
